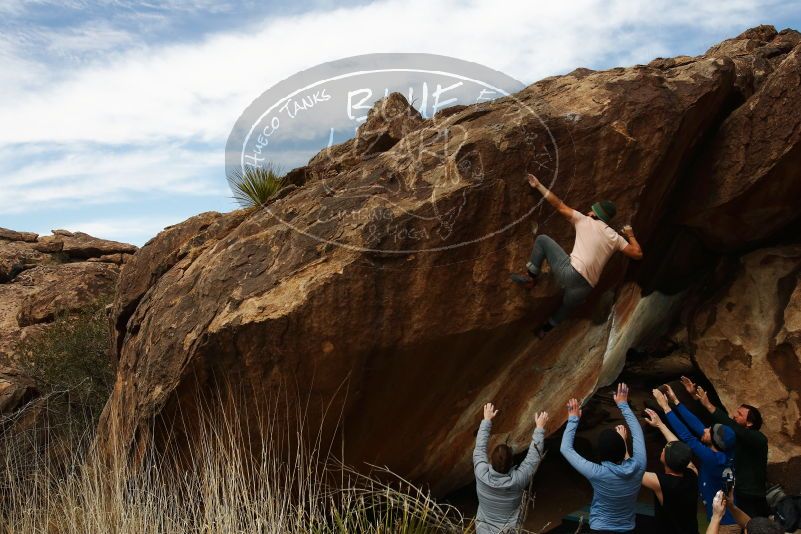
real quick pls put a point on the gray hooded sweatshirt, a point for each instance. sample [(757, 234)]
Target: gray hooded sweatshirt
[(499, 494)]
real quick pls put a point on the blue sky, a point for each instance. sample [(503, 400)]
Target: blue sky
[(115, 114)]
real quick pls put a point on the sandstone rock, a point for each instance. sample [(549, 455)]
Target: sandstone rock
[(63, 288), (17, 256), (117, 259), (756, 53), (746, 186), (36, 284), (82, 246), (15, 390), (49, 244), (388, 121), (11, 235), (403, 337), (747, 341)]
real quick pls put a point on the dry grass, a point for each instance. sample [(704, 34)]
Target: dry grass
[(224, 489)]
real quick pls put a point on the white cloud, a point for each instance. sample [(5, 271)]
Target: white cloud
[(198, 90), (87, 175), (118, 122), (135, 230)]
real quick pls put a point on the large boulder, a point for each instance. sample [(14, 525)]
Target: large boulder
[(747, 341), (396, 329), (747, 185)]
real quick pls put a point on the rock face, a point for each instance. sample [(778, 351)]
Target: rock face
[(746, 187), (39, 278), (747, 341), (391, 312)]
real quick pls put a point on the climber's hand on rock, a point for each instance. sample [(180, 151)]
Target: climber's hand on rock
[(489, 411), (628, 231), (541, 419), (573, 408), (688, 385), (532, 180), (622, 395), (652, 418), (624, 433)]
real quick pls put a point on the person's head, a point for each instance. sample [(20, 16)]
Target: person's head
[(748, 417), (604, 210), (611, 447), (501, 458), (676, 456), (720, 437), (763, 525)]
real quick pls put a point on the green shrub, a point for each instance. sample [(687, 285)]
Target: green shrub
[(253, 187), (69, 361)]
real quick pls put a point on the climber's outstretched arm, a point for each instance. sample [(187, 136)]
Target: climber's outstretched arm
[(552, 199), (633, 249)]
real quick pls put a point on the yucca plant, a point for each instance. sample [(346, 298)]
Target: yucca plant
[(254, 187)]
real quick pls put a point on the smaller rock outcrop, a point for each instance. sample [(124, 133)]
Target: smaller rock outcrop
[(388, 121), (747, 341), (40, 277), (746, 185)]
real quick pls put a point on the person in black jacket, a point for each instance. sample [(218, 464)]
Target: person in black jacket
[(750, 454)]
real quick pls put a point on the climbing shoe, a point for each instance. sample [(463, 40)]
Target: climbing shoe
[(524, 280)]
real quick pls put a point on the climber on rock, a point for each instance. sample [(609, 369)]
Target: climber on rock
[(499, 484), (579, 272)]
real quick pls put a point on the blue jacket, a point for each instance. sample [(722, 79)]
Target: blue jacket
[(615, 486), (711, 463)]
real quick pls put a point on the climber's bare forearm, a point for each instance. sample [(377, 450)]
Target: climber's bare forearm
[(633, 250), (554, 200)]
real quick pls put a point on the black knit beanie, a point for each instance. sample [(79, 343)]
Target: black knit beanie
[(611, 447)]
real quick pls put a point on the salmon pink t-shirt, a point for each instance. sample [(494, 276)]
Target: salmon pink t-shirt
[(595, 244)]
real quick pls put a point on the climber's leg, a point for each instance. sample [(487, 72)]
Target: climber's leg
[(577, 289), (544, 248)]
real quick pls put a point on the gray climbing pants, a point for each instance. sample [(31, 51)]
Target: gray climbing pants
[(576, 286)]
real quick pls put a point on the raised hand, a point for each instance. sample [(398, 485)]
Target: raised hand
[(661, 400), (671, 394), (541, 419), (689, 385), (622, 395), (573, 408), (719, 504), (623, 431), (489, 411), (532, 180), (652, 418)]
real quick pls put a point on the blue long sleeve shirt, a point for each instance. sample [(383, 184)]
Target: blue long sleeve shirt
[(711, 462), (615, 486)]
